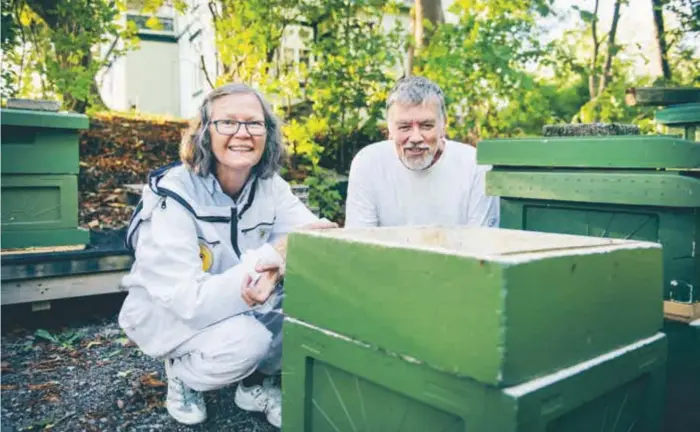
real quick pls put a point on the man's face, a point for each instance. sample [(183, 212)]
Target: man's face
[(418, 133)]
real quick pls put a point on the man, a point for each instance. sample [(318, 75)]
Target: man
[(418, 177)]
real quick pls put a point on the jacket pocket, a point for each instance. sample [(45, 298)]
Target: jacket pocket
[(257, 235)]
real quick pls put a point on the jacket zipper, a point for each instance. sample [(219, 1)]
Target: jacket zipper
[(234, 231)]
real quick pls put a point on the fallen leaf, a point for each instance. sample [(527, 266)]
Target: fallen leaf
[(151, 381), (120, 403), (124, 341), (52, 397), (124, 374), (93, 343), (42, 386), (93, 223), (8, 387), (113, 353)]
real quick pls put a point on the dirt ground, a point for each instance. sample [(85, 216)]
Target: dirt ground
[(73, 369)]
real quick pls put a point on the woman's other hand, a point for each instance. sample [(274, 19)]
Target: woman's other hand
[(257, 293)]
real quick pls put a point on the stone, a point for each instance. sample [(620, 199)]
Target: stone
[(34, 104), (589, 129)]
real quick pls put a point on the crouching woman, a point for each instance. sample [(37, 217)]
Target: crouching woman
[(209, 240)]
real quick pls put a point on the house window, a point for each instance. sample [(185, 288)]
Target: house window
[(305, 57), (197, 72), (288, 60), (152, 23)]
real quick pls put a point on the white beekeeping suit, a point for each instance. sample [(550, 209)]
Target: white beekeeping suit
[(193, 246)]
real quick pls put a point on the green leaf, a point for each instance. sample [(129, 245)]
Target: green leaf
[(46, 335)]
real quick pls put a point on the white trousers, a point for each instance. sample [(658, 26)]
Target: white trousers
[(230, 350)]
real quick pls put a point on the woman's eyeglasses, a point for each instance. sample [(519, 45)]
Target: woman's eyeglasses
[(231, 127)]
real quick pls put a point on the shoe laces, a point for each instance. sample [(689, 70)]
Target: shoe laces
[(273, 393), (189, 396)]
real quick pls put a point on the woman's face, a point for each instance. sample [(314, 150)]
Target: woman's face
[(237, 131)]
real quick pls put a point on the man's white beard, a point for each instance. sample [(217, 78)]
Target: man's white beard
[(417, 163)]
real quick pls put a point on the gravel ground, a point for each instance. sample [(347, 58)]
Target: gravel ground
[(87, 376)]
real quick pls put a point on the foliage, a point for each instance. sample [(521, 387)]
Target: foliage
[(248, 35), (66, 340), (301, 140), (59, 43), (480, 62), (357, 61), (324, 194)]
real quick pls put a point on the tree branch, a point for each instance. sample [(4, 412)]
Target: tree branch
[(203, 65), (605, 78), (594, 59), (212, 10), (660, 33)]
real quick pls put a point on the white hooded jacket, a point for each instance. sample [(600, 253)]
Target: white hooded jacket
[(193, 245)]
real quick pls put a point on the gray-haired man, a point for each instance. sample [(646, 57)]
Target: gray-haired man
[(417, 177)]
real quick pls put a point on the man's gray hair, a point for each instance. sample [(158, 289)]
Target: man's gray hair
[(196, 151), (416, 90)]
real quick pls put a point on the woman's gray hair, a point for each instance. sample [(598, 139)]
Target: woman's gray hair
[(416, 90), (195, 149)]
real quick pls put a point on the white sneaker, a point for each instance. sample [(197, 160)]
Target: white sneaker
[(265, 398), (184, 404)]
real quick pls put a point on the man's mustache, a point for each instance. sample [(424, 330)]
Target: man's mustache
[(416, 147)]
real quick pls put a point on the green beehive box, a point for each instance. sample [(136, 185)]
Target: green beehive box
[(683, 376), (38, 142), (40, 164), (630, 187), (499, 306), (332, 383), (40, 210)]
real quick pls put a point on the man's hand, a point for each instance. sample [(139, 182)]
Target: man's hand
[(320, 225), (281, 247), (257, 293)]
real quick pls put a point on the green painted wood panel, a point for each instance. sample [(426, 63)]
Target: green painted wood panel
[(37, 142), (483, 303), (676, 229), (39, 150), (40, 210), (39, 202), (332, 383), (41, 238), (44, 119), (591, 152), (663, 188), (683, 114), (683, 377)]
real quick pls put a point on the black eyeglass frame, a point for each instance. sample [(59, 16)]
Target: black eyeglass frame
[(216, 126)]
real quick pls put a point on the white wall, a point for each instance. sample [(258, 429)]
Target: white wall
[(111, 81), (153, 78), (196, 39)]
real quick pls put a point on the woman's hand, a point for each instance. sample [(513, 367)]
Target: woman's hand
[(257, 293)]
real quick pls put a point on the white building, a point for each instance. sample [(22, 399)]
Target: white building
[(165, 75)]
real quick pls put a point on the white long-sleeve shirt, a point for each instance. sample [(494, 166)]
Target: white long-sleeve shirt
[(193, 246), (383, 192)]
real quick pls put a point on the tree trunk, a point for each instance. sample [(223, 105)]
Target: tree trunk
[(594, 58), (607, 75), (657, 9), (81, 105), (430, 10)]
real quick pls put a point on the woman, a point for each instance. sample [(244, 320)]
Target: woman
[(209, 238)]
